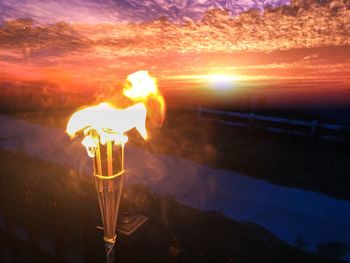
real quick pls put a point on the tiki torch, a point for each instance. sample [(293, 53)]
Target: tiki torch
[(105, 127)]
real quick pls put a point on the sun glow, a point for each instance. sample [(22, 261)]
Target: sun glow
[(221, 78), (222, 81), (211, 78)]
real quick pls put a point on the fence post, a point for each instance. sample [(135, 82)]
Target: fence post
[(314, 125), (251, 122)]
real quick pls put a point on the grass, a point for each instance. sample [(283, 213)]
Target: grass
[(61, 204)]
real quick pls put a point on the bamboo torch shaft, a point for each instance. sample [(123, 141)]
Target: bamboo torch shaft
[(98, 160), (109, 172), (110, 158)]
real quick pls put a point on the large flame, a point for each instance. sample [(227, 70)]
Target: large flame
[(141, 87), (103, 123)]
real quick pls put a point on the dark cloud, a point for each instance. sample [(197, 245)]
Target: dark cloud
[(34, 40), (187, 9), (301, 24), (98, 11), (52, 11), (296, 26)]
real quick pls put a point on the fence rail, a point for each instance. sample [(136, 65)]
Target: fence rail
[(252, 121)]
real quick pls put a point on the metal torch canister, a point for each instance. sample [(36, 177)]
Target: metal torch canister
[(109, 181)]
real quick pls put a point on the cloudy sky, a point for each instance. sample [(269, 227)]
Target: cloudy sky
[(279, 49), (116, 11)]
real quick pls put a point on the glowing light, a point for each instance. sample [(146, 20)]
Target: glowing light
[(222, 81), (222, 78), (105, 123), (141, 87)]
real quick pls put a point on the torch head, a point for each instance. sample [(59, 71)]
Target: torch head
[(111, 124), (107, 123)]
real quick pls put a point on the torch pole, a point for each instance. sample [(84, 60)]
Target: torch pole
[(109, 181)]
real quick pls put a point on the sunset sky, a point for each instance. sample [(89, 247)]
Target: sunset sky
[(285, 51)]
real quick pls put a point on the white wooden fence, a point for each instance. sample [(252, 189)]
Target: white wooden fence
[(252, 121)]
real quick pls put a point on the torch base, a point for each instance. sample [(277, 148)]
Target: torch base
[(126, 217), (128, 232)]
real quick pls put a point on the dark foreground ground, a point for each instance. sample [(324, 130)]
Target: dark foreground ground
[(320, 166), (50, 202)]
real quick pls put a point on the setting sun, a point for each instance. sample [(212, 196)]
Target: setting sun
[(222, 81)]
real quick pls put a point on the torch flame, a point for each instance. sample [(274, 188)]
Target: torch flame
[(107, 122), (141, 87), (104, 123)]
